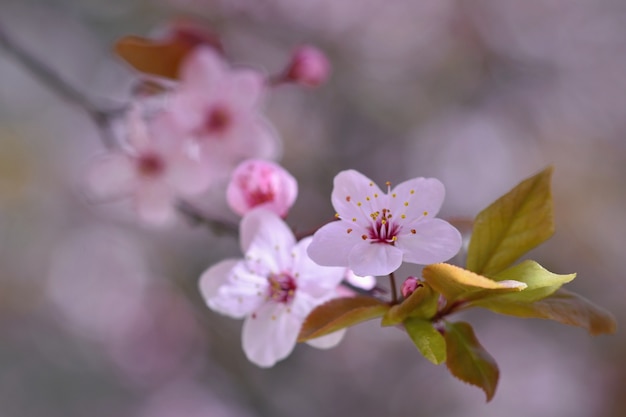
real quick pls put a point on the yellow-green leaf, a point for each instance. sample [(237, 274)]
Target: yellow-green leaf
[(468, 360), (512, 225), (455, 282), (427, 339), (422, 304), (563, 306), (541, 282), (339, 313)]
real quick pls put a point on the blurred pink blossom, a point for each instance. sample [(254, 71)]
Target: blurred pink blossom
[(274, 288), (219, 108), (308, 66), (259, 183), (154, 169), (409, 286)]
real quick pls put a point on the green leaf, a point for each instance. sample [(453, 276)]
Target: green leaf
[(339, 313), (455, 282), (427, 339), (564, 307), (468, 360), (422, 304), (541, 282), (512, 225)]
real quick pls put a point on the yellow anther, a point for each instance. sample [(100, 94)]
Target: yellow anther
[(406, 204), (403, 216), (337, 216), (394, 195), (354, 219), (375, 195), (359, 204), (393, 239), (425, 213), (367, 198), (412, 192), (371, 184), (388, 183)]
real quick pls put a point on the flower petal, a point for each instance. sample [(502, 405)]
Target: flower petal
[(332, 243), (350, 188), (247, 87), (434, 241), (265, 237), (154, 202), (313, 279), (416, 196), (202, 70), (374, 258), (328, 341), (270, 334), (110, 176), (242, 294), (215, 277)]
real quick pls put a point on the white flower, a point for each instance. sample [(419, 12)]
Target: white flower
[(377, 231), (274, 288)]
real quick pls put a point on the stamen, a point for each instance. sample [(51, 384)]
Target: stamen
[(425, 213), (364, 237), (413, 231), (406, 204), (348, 198), (349, 230)]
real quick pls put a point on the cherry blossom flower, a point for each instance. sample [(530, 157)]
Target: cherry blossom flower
[(274, 288), (219, 107), (409, 286), (309, 66), (377, 231), (153, 169), (256, 183)]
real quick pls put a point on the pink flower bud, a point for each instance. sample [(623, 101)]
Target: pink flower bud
[(256, 182), (309, 66), (409, 286)]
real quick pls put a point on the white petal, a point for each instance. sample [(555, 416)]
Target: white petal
[(434, 241), (366, 282), (421, 194), (270, 334), (110, 176), (332, 243), (215, 277), (265, 237), (242, 295), (350, 188), (374, 259), (313, 279), (328, 341), (154, 202)]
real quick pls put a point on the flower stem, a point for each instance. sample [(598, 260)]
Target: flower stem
[(394, 292)]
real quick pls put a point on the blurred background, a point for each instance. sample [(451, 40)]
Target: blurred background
[(100, 316)]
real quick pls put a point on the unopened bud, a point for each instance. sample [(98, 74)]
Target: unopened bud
[(309, 66), (409, 286)]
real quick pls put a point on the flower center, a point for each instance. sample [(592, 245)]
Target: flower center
[(383, 229), (217, 119), (282, 287), (150, 165)]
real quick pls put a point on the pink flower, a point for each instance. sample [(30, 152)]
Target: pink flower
[(377, 231), (219, 108), (259, 183), (309, 66), (153, 170), (274, 287), (409, 286)]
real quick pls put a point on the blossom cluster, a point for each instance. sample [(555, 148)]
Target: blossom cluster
[(208, 125)]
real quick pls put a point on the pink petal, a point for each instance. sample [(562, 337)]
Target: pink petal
[(350, 188), (421, 194), (188, 176), (242, 294), (111, 176), (202, 70), (315, 280), (374, 259), (434, 241), (154, 202), (247, 87), (215, 277), (265, 237), (332, 243), (270, 334)]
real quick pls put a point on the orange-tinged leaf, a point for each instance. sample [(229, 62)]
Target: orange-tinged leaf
[(162, 58), (564, 307), (455, 282), (512, 225), (422, 304), (339, 313), (468, 360)]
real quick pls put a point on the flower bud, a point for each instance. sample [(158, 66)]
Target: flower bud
[(256, 182), (409, 286), (309, 66)]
